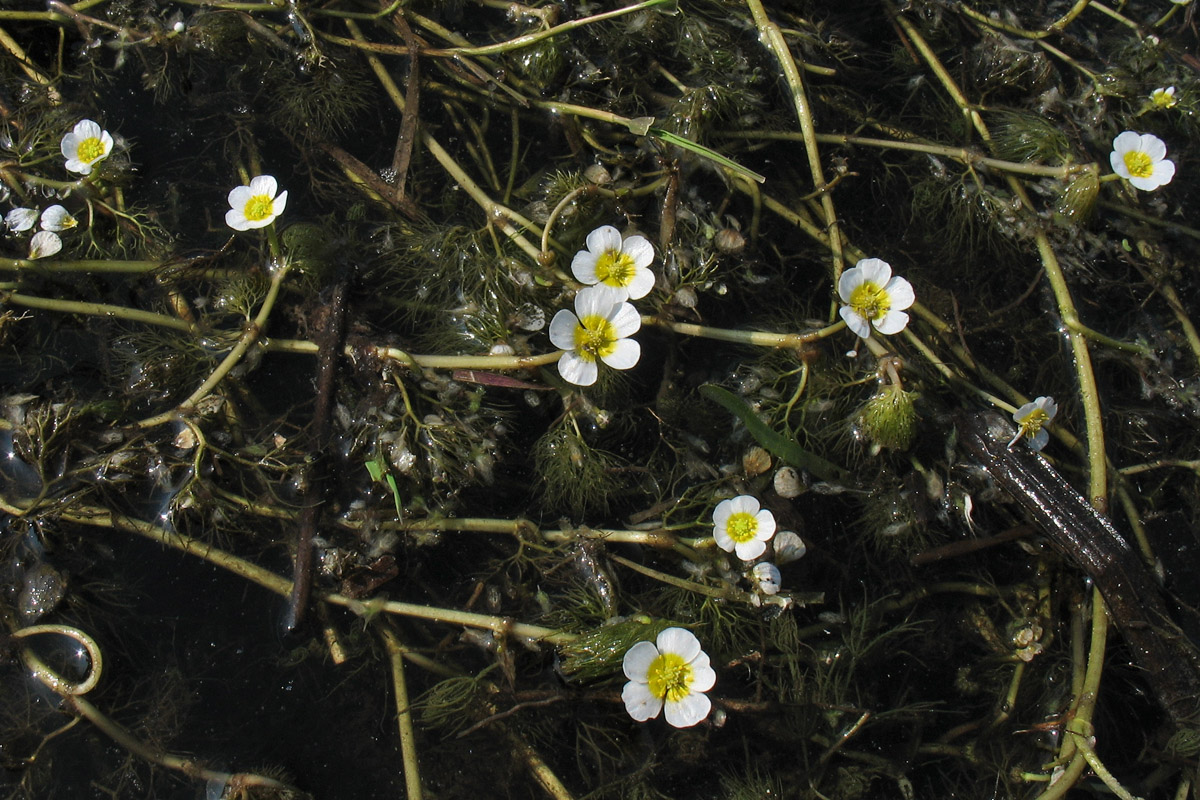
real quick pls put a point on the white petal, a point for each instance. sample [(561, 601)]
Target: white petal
[(1163, 172), (562, 330), (44, 244), (855, 322), (625, 354), (723, 539), (766, 525), (70, 146), (767, 576), (748, 551), (851, 279), (745, 504), (87, 129), (235, 219), (703, 676), (875, 270), (1038, 440), (1125, 142), (606, 296), (638, 659), (892, 322), (577, 370), (280, 203), (263, 184), (239, 196), (625, 319), (640, 250), (606, 237), (593, 301), (789, 547), (583, 267), (75, 165), (1153, 146), (901, 293), (722, 513), (21, 219), (640, 704), (689, 710), (679, 641), (641, 283), (56, 218)]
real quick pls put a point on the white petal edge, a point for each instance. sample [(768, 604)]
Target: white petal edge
[(638, 658), (235, 219), (1153, 146), (583, 267), (745, 504), (875, 270), (855, 322), (679, 641), (625, 354), (892, 322), (1039, 440), (640, 250), (689, 710), (239, 196), (766, 525), (577, 370), (722, 512), (44, 244), (748, 551), (562, 330), (625, 319), (640, 704), (606, 237), (593, 300), (723, 539), (703, 676), (901, 293), (641, 283), (263, 184), (851, 279)]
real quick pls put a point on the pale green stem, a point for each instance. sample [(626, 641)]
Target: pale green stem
[(1051, 29), (408, 734), (96, 310), (248, 338), (482, 361), (770, 35), (728, 593), (51, 678), (98, 267), (757, 338)]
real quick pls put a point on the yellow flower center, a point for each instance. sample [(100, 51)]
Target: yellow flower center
[(615, 267), (741, 527), (1162, 98), (1139, 164), (259, 207), (594, 338), (1034, 422), (90, 149), (670, 677), (870, 301)]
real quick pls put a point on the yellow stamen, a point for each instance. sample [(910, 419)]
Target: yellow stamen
[(1139, 164), (870, 301), (670, 677), (615, 268), (595, 337), (741, 527), (259, 207), (90, 149)]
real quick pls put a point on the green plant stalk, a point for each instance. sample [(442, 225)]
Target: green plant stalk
[(91, 266), (408, 735), (248, 338), (728, 593), (1051, 29), (756, 338), (96, 310), (481, 361), (770, 34)]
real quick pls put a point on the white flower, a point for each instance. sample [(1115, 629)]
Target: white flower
[(740, 526), (873, 297), (85, 146), (1142, 160), (789, 547), (21, 219), (1032, 418), (672, 671), (1163, 97), (597, 330), (256, 205), (766, 577), (43, 244), (619, 267), (57, 218)]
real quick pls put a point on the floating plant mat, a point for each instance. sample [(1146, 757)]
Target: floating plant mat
[(668, 400)]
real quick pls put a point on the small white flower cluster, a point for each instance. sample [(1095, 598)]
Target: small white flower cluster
[(54, 220), (874, 297), (615, 270), (1032, 419), (1141, 158), (743, 527)]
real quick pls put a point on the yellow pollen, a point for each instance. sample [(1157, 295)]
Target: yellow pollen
[(90, 149), (259, 207), (741, 527), (1034, 422), (1139, 164), (670, 677), (615, 267), (870, 301), (595, 337)]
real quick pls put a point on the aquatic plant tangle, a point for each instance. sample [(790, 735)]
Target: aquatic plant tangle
[(671, 672), (1142, 160), (85, 146), (256, 205), (1032, 419), (741, 526), (597, 330), (618, 267), (874, 297), (44, 244)]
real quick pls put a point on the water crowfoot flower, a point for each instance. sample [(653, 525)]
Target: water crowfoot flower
[(1142, 160), (1163, 97), (766, 577), (44, 244), (619, 267), (85, 146), (671, 672), (1032, 418), (256, 205), (740, 525), (874, 297), (597, 330)]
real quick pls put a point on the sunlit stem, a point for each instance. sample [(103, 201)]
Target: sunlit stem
[(756, 338), (726, 593), (408, 735), (96, 310)]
